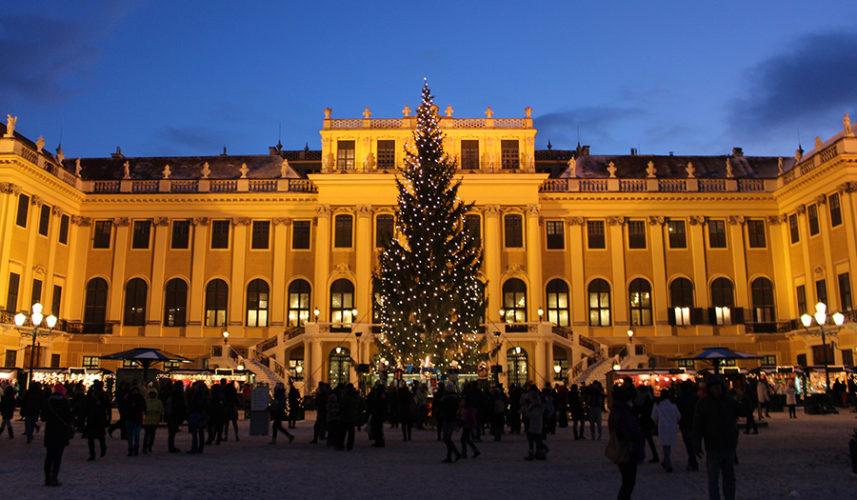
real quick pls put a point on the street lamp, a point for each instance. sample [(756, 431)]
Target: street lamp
[(36, 320), (630, 335), (354, 315), (556, 370), (540, 312), (315, 313), (225, 337), (820, 317)]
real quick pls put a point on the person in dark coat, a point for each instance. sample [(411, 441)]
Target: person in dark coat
[(58, 430), (578, 415), (624, 425), (176, 412), (405, 402), (686, 406), (135, 406), (498, 412), (515, 409), (294, 405), (278, 413), (7, 409), (449, 406), (121, 395), (319, 430), (230, 406), (31, 407), (216, 414), (350, 408), (197, 406), (642, 409), (378, 413), (96, 415), (715, 421)]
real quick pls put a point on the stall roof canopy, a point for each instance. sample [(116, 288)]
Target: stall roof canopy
[(149, 354), (716, 353)]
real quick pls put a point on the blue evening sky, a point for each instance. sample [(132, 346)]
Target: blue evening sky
[(188, 77)]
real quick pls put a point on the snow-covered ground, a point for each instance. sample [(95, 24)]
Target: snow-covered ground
[(803, 458)]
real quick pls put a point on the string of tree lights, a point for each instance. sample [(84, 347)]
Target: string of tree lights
[(430, 299)]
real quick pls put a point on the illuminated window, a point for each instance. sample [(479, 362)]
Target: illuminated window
[(678, 238), (386, 154), (812, 218), (135, 302), (300, 234), (717, 234), (299, 300), (341, 302), (681, 296), (762, 291), (175, 302), (517, 366), (142, 230), (514, 231), (640, 297), (342, 231), (91, 362), (296, 369), (555, 234), (599, 303), (216, 299), (257, 303), (636, 234), (383, 230), (470, 155), (23, 210), (557, 295), (722, 298), (769, 360), (181, 234), (261, 230), (339, 367), (44, 220), (515, 301), (835, 210), (509, 153), (794, 231), (595, 234), (63, 236), (345, 155)]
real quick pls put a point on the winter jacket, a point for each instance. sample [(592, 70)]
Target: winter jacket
[(535, 412), (716, 421), (97, 412), (7, 404), (791, 396), (58, 421), (135, 406), (624, 425), (666, 415), (154, 411)]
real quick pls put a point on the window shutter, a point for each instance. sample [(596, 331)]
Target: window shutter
[(712, 316), (671, 316), (697, 316), (738, 315)]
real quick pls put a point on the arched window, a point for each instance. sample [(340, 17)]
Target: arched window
[(341, 301), (722, 300), (763, 300), (175, 302), (216, 298), (681, 297), (340, 366), (557, 294), (517, 370), (299, 295), (135, 302), (599, 303), (95, 308), (515, 301), (257, 303), (640, 299)]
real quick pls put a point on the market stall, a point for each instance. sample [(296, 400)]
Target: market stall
[(87, 376), (210, 377), (658, 378)]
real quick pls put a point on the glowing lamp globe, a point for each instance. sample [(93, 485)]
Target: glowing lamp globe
[(838, 318), (20, 319), (806, 320), (51, 321)]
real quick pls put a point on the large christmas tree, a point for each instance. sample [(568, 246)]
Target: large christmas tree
[(430, 299)]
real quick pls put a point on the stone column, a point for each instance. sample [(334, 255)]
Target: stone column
[(829, 269), (26, 287), (491, 244), (53, 241), (697, 248), (538, 365)]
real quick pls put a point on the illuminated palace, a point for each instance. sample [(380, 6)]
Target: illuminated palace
[(588, 259)]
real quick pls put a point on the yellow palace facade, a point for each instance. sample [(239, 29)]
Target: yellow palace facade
[(627, 258)]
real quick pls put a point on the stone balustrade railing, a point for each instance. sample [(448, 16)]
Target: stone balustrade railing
[(410, 122), (154, 186), (616, 185)]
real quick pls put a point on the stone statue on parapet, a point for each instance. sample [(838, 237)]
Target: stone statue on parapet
[(10, 125)]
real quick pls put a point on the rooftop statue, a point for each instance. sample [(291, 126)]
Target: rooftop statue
[(10, 125)]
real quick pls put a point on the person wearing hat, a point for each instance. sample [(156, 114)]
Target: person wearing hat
[(58, 430), (715, 420)]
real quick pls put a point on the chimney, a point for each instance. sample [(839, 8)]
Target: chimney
[(737, 152), (586, 150), (633, 151), (118, 153)]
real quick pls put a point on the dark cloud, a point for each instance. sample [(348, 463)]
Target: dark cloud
[(815, 77), (595, 123)]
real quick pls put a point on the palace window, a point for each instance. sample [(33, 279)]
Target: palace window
[(342, 231), (101, 236), (384, 224), (220, 233), (636, 234), (216, 299), (514, 231), (91, 362), (722, 300), (95, 305), (300, 234), (261, 230), (44, 220), (142, 230), (812, 218), (557, 295), (514, 301), (595, 234), (762, 291), (821, 291), (470, 155), (386, 154), (299, 300), (344, 155), (56, 300), (473, 226), (23, 210), (12, 293), (769, 360), (756, 233), (681, 297), (599, 303), (175, 302), (555, 234), (801, 300), (509, 153), (835, 210), (517, 367), (640, 298), (678, 238), (717, 234), (181, 234), (135, 302), (794, 231), (341, 302), (36, 295), (340, 366), (844, 292), (63, 236), (257, 303)]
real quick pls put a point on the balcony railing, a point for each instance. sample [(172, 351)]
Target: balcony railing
[(653, 185)]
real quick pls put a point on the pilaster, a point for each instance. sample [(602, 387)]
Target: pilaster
[(491, 244), (364, 244), (121, 234), (322, 260)]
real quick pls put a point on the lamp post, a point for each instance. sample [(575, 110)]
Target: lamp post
[(820, 317), (36, 320), (541, 313), (225, 337)]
